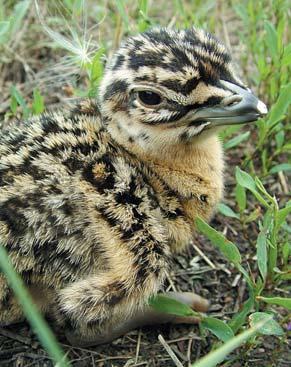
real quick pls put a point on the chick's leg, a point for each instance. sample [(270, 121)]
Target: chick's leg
[(94, 305), (141, 317), (109, 303), (99, 309)]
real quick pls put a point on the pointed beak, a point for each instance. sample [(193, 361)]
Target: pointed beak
[(239, 108)]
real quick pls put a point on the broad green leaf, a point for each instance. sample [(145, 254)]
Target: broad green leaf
[(280, 301), (281, 167), (280, 107), (245, 180), (171, 306), (227, 211), (240, 195), (219, 354), (239, 319), (236, 140), (227, 248), (270, 327), (219, 328), (262, 256)]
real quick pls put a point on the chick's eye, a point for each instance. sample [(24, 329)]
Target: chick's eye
[(149, 98)]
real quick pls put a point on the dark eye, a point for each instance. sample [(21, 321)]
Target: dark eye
[(149, 98)]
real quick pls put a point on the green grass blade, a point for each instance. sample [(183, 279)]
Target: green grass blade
[(44, 333), (219, 328), (280, 107), (164, 304), (282, 214), (272, 39), (228, 249), (236, 140), (241, 199), (281, 167), (245, 180), (17, 99), (4, 31), (227, 211), (280, 301), (239, 319), (218, 355), (180, 7), (143, 19), (38, 102), (20, 9), (262, 256)]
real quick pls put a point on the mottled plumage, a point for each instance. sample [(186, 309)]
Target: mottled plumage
[(94, 201)]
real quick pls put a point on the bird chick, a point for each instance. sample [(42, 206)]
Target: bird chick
[(94, 201)]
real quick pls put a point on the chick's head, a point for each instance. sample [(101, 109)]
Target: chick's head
[(170, 86)]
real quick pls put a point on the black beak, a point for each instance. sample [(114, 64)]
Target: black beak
[(239, 108)]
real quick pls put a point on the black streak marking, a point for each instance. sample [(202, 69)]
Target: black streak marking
[(120, 86)]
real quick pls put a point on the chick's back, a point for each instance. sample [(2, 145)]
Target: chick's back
[(72, 202)]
